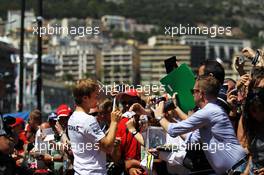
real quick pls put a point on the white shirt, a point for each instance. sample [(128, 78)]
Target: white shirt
[(174, 159), (41, 147), (37, 140), (85, 134)]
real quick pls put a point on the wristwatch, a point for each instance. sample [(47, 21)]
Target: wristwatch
[(159, 118), (134, 132), (61, 133)]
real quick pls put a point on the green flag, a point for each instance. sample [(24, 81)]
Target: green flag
[(181, 80)]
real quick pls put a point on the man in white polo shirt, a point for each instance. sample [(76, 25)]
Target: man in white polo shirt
[(88, 141)]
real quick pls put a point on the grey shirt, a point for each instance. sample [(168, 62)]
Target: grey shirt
[(214, 130)]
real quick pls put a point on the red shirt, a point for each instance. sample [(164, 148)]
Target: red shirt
[(22, 136), (129, 146)]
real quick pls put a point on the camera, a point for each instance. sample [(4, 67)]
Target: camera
[(241, 60), (223, 90), (234, 92), (143, 119), (156, 100), (168, 104)]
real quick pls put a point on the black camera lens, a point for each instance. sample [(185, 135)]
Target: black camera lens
[(156, 100), (241, 60), (169, 105)]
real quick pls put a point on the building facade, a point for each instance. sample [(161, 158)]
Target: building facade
[(152, 58), (75, 62), (119, 64), (222, 48)]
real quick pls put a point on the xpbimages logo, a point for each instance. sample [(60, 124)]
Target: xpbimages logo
[(212, 31), (142, 89), (80, 31)]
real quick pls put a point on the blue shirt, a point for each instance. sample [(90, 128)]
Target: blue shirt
[(212, 127)]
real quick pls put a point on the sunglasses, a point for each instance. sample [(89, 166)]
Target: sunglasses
[(193, 91), (94, 113)]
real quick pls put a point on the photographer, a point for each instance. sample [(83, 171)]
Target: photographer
[(214, 127), (256, 58)]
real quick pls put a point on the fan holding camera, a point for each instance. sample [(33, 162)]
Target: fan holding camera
[(213, 127), (255, 57)]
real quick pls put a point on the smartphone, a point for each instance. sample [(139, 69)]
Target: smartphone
[(129, 114), (114, 104), (170, 64), (233, 92), (225, 87)]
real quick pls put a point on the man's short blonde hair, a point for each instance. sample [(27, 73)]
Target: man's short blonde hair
[(84, 87), (209, 84)]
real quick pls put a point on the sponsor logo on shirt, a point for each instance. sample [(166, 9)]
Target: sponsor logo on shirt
[(74, 128), (95, 127)]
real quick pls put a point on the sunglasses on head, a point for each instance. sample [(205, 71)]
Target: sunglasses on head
[(94, 113)]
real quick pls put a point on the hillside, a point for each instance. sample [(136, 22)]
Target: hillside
[(248, 15)]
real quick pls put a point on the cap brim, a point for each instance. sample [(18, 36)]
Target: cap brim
[(124, 96), (53, 119), (62, 115)]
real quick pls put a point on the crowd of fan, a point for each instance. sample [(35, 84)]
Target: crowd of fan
[(104, 135)]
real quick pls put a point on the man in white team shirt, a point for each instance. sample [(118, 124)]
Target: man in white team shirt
[(88, 141)]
